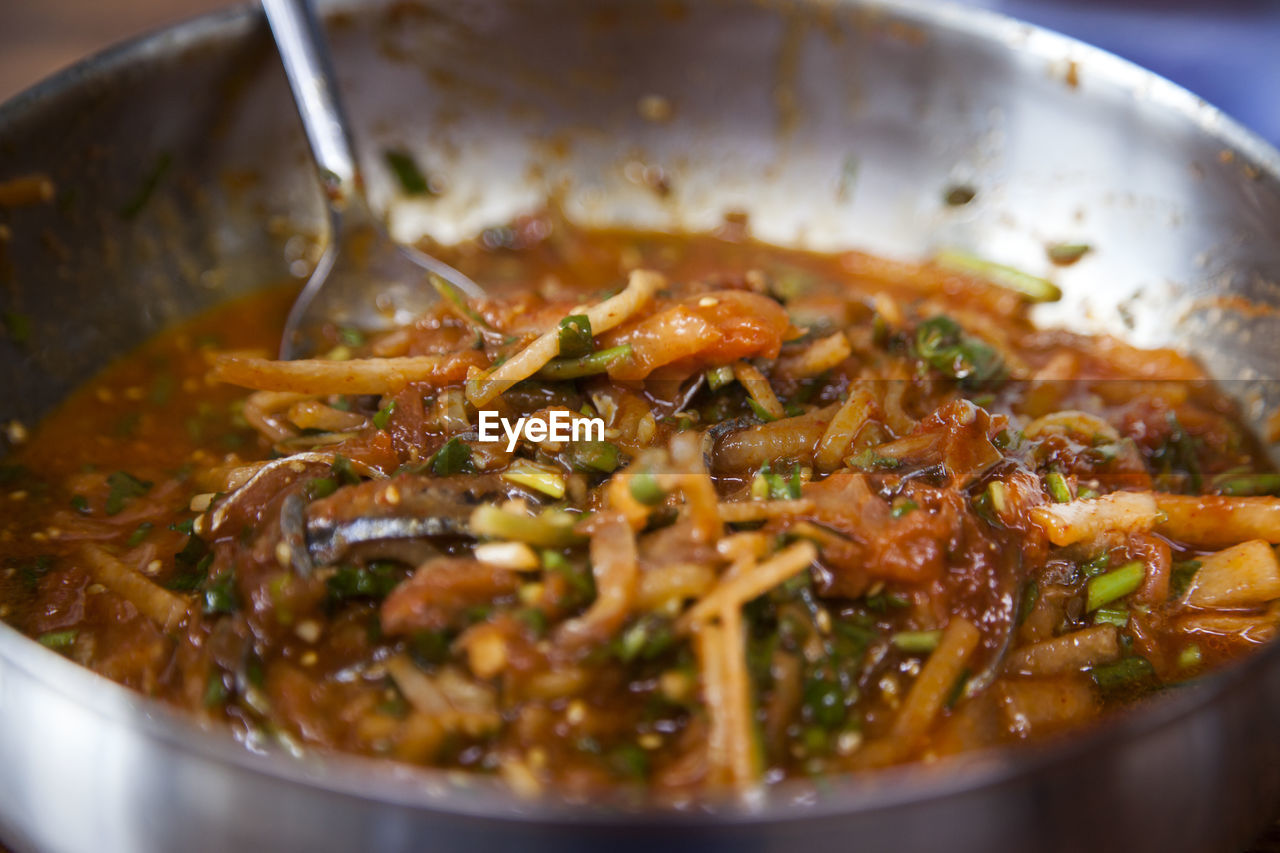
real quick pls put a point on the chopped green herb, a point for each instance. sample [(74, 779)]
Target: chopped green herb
[(957, 689), (405, 168), (760, 411), (58, 640), (1066, 254), (342, 471), (123, 487), (587, 365), (575, 336), (1030, 594), (351, 337), (1058, 487), (781, 487), (215, 689), (429, 648), (1096, 566), (645, 639), (719, 377), (1246, 484), (1180, 577), (383, 415), (534, 619), (599, 456), (321, 487), (903, 506), (1125, 673), (869, 460), (645, 489), (80, 504), (883, 601), (1115, 584), (375, 580), (943, 345), (220, 595), (1033, 287), (630, 760), (457, 300), (139, 534), (453, 457), (1118, 616), (916, 642)]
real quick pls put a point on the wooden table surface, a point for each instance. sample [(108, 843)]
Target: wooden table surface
[(39, 37)]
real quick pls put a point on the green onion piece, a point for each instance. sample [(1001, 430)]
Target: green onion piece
[(645, 489), (215, 689), (601, 456), (80, 504), (1096, 566), (457, 300), (944, 345), (587, 365), (1117, 583), (383, 416), (869, 460), (916, 642), (58, 640), (999, 496), (321, 487), (139, 534), (1030, 594), (1066, 254), (123, 488), (405, 168), (1033, 287), (220, 595), (453, 457), (902, 506), (351, 337), (1087, 493), (719, 377), (522, 472), (575, 336), (1180, 577), (375, 580), (1058, 487), (1118, 616), (1246, 484), (781, 487), (552, 529), (760, 410), (1190, 657), (343, 471), (1126, 672)]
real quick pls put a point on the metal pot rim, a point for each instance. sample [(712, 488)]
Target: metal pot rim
[(443, 791)]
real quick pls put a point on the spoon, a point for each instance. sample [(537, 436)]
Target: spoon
[(364, 279)]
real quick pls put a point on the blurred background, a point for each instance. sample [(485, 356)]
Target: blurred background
[(1227, 51)]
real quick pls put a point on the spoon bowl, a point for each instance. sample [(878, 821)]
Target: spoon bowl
[(364, 280)]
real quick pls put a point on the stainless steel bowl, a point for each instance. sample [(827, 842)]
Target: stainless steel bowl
[(832, 124)]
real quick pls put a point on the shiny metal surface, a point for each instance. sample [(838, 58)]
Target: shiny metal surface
[(363, 279), (831, 124)]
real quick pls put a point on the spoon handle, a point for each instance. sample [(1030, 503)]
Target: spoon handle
[(305, 53)]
